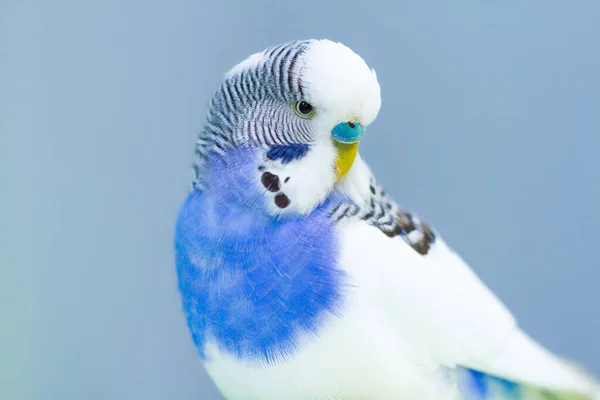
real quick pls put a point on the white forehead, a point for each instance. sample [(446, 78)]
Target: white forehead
[(334, 78), (339, 81)]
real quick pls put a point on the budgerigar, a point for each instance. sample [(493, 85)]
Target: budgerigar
[(302, 279)]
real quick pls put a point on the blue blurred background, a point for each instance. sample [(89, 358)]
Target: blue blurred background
[(490, 130)]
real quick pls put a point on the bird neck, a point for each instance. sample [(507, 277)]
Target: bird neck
[(252, 281)]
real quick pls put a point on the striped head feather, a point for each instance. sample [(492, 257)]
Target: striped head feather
[(300, 108)]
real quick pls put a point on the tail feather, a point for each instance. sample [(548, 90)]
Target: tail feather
[(478, 385), (530, 371)]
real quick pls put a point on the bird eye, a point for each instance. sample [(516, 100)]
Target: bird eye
[(304, 109)]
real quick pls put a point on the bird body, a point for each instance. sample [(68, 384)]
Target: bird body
[(301, 279)]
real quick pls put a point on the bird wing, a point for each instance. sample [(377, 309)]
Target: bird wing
[(442, 307), (509, 353)]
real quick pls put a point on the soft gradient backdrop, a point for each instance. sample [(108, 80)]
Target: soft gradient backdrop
[(490, 130)]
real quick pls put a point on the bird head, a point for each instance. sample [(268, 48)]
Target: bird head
[(292, 117)]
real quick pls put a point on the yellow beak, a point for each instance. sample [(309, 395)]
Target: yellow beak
[(345, 158)]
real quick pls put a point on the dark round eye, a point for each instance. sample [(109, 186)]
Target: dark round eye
[(304, 109)]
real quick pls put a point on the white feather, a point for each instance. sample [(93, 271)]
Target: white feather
[(365, 354), (439, 302), (252, 61), (340, 84), (405, 316)]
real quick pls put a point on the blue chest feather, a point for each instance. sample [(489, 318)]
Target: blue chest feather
[(249, 281)]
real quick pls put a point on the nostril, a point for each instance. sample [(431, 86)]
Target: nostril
[(351, 125)]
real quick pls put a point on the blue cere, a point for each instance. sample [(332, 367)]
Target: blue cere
[(348, 132), (250, 281), (288, 152)]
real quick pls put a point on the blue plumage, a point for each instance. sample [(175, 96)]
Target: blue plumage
[(478, 385), (287, 153), (250, 280)]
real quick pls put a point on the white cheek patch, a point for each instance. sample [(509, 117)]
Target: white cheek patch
[(300, 185)]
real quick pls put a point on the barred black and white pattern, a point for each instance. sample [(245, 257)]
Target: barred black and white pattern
[(254, 105), (383, 213)]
